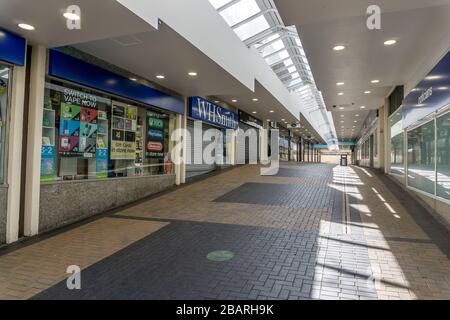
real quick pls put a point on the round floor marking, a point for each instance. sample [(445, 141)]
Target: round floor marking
[(220, 255)]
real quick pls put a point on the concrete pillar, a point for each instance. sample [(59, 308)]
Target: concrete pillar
[(264, 138), (386, 137), (33, 184), (15, 137), (183, 125)]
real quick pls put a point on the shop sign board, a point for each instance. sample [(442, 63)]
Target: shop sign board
[(430, 95), (12, 48), (203, 110)]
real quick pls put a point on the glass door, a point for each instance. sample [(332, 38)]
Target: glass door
[(5, 75)]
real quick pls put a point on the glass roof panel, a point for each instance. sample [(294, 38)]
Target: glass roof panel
[(219, 3), (277, 45), (277, 57), (252, 28), (240, 11)]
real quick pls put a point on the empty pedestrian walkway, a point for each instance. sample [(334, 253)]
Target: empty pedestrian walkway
[(313, 231)]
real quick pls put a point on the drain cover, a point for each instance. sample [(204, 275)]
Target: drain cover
[(220, 255)]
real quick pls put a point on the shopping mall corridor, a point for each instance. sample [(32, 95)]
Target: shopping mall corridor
[(313, 231)]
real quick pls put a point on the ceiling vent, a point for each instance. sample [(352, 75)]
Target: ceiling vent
[(127, 41)]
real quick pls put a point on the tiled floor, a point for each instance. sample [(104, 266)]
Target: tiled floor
[(296, 235)]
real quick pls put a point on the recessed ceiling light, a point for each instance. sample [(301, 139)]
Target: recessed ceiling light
[(390, 42), (340, 83), (433, 78), (356, 115), (283, 119), (342, 121), (71, 16), (341, 108), (234, 100), (160, 76), (254, 112), (367, 92), (363, 107), (255, 99), (342, 116), (375, 81), (271, 111), (340, 94), (25, 26), (339, 48), (216, 101), (133, 79), (355, 121), (192, 74)]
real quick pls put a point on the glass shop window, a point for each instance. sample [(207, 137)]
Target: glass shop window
[(5, 75)]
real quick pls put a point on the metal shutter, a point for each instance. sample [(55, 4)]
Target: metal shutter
[(196, 150)]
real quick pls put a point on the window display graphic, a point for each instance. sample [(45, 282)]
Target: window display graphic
[(123, 133), (78, 125), (48, 171), (155, 135)]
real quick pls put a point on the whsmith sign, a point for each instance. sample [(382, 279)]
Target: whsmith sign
[(203, 110)]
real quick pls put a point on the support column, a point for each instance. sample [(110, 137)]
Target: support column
[(33, 184), (183, 125), (15, 153)]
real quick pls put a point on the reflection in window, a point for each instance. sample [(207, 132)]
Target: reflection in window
[(443, 156), (4, 79), (421, 170), (396, 130)]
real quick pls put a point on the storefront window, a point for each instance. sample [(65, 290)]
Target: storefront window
[(396, 131), (421, 170), (4, 89), (443, 156), (91, 136)]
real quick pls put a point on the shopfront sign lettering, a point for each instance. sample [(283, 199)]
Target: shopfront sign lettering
[(424, 96), (206, 111)]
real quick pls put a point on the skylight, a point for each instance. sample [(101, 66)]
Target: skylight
[(252, 28), (259, 25)]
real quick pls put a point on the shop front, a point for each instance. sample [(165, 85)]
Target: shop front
[(105, 141), (209, 140), (285, 144), (12, 55), (249, 149), (295, 147)]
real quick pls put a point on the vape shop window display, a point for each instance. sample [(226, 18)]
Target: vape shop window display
[(87, 135), (4, 80)]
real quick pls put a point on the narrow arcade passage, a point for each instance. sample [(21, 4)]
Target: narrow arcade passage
[(314, 231)]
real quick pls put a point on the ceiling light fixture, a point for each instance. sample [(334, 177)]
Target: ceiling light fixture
[(367, 92), (25, 26), (341, 108), (339, 48), (255, 99), (234, 100), (71, 16), (271, 111), (160, 76), (340, 83), (390, 42), (192, 74), (363, 107), (254, 112), (375, 81), (133, 79), (340, 94)]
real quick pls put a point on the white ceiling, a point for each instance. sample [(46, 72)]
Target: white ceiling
[(100, 19), (419, 27), (161, 51)]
